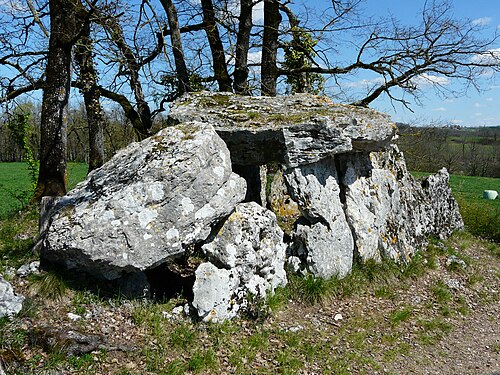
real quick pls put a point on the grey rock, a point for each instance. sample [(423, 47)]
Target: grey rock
[(441, 207), (146, 205), (251, 244), (10, 303), (247, 256), (9, 272), (453, 260), (291, 130), (324, 238), (28, 269), (282, 204), (213, 292), (453, 284), (391, 214), (70, 342), (293, 264)]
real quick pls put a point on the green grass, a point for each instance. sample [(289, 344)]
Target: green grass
[(481, 216), (16, 189)]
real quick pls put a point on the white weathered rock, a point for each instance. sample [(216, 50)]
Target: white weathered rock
[(10, 303), (324, 237), (389, 212), (146, 205), (214, 292), (249, 252), (291, 130), (28, 269), (453, 260)]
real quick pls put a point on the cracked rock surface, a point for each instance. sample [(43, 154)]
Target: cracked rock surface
[(291, 130), (146, 205)]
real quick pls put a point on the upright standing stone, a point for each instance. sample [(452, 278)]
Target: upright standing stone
[(324, 237), (247, 257)]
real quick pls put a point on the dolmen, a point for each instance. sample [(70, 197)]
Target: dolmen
[(236, 190)]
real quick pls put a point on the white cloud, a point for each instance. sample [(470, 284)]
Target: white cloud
[(457, 122), (489, 99), (491, 56), (428, 79), (13, 5), (364, 83), (440, 109), (478, 114), (258, 12), (483, 21), (479, 105)]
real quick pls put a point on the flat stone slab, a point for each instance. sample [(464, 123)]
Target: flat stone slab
[(291, 130)]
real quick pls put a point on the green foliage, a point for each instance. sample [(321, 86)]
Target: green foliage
[(182, 337), (50, 285), (441, 292), (257, 308), (481, 216), (16, 239), (202, 360), (432, 330), (309, 288), (298, 54), (399, 316)]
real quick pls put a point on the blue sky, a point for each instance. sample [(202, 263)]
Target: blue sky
[(474, 109)]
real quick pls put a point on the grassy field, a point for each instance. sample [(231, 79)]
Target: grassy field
[(16, 189)]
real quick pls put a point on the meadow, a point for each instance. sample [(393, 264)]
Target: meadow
[(16, 187)]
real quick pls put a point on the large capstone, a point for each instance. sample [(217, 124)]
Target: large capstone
[(10, 303), (290, 130), (147, 205), (247, 257)]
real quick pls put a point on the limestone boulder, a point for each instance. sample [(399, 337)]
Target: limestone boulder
[(10, 303), (390, 213), (323, 237), (290, 130), (145, 206), (247, 256)]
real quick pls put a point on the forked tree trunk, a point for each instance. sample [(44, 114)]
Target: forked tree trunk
[(52, 179), (269, 70)]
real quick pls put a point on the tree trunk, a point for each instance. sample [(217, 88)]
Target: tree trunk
[(178, 51), (52, 178), (216, 47), (92, 99), (269, 70), (242, 47)]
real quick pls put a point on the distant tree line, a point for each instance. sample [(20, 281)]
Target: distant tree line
[(467, 151), (117, 133)]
